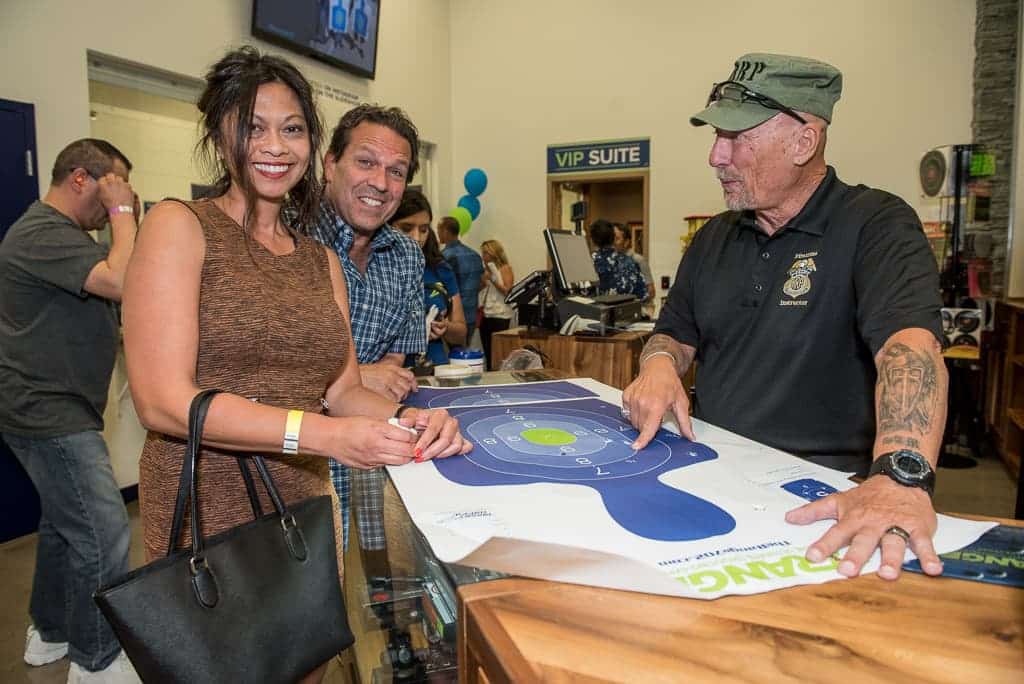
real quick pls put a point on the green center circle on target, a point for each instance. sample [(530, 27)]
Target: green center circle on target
[(548, 436)]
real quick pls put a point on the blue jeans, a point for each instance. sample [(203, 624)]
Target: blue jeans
[(83, 541)]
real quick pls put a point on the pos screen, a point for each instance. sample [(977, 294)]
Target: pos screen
[(571, 258)]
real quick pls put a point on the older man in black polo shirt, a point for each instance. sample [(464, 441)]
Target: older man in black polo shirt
[(812, 309)]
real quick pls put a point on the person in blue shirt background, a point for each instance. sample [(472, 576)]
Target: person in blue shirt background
[(618, 273), (468, 267), (440, 288)]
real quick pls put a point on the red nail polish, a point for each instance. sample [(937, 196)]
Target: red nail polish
[(418, 452)]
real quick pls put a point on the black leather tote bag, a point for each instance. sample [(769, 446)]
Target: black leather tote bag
[(259, 602)]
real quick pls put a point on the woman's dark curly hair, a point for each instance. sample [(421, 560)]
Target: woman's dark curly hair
[(229, 98)]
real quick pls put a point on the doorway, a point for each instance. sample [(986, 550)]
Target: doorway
[(19, 176), (619, 197), (19, 172), (150, 115)]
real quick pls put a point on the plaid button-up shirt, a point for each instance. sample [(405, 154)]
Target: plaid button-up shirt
[(386, 310), (386, 304)]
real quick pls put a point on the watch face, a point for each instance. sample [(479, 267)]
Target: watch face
[(909, 465)]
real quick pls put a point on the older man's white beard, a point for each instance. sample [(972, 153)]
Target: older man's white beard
[(735, 201)]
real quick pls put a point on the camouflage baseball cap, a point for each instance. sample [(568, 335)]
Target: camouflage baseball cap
[(761, 85)]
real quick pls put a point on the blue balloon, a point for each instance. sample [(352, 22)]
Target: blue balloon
[(471, 204), (475, 181)]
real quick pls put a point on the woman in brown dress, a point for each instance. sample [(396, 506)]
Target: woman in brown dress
[(222, 294)]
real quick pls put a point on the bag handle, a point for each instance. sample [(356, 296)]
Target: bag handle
[(188, 488), (201, 400), (250, 488)]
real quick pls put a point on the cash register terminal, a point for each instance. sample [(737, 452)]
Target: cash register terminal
[(576, 284)]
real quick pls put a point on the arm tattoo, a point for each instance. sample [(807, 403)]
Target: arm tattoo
[(902, 441), (682, 355), (907, 390)]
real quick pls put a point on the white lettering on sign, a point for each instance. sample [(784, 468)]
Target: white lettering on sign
[(610, 156)]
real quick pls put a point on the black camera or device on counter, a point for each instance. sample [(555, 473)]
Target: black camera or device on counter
[(569, 292)]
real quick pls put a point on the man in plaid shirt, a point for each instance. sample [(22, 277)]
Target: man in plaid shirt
[(372, 156)]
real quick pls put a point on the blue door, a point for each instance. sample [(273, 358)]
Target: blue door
[(18, 167), (19, 504)]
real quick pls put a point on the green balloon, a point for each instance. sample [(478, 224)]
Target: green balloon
[(465, 219)]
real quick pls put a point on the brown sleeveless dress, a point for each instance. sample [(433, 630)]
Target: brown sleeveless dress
[(269, 330)]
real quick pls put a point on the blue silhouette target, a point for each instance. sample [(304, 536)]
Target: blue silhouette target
[(586, 442), (495, 395)]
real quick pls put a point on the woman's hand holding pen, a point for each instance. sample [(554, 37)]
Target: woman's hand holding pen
[(438, 434)]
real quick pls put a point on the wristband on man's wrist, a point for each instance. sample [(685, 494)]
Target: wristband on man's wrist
[(120, 209)]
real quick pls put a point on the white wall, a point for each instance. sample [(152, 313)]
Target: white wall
[(530, 73), (493, 82), (43, 45), (160, 148), (1015, 248)]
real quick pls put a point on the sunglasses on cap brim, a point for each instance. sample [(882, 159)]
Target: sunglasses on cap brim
[(737, 92)]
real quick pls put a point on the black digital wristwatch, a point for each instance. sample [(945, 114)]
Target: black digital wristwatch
[(906, 467)]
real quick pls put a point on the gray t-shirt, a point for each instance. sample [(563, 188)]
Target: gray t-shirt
[(57, 342)]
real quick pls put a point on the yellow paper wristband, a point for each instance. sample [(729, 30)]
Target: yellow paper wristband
[(291, 432)]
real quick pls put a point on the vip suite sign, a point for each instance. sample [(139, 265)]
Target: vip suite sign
[(552, 489), (606, 155)]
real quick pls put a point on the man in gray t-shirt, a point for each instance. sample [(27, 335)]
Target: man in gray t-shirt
[(58, 340)]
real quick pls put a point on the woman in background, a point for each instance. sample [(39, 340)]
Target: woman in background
[(222, 294), (440, 288), (496, 281)]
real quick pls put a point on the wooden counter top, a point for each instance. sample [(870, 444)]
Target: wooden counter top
[(918, 629)]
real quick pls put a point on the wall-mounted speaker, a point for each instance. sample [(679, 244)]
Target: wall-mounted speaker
[(579, 211)]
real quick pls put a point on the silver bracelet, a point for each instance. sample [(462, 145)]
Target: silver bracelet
[(675, 361)]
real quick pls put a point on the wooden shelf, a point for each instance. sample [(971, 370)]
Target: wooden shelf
[(963, 353), (1011, 461), (613, 360), (1005, 391)]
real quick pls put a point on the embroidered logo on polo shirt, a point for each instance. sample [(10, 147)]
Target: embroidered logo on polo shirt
[(799, 282)]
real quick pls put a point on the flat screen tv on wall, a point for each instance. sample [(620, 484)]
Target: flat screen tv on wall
[(340, 32)]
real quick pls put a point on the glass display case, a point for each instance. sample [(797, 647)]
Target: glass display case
[(401, 601)]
